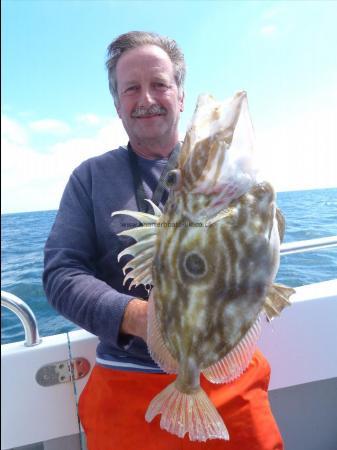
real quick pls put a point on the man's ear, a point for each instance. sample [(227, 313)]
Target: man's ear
[(181, 101), (118, 107)]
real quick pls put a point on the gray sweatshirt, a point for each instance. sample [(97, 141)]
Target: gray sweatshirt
[(82, 279)]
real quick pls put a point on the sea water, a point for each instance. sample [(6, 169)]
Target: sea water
[(309, 214)]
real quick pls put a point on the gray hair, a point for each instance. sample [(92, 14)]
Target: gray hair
[(135, 39)]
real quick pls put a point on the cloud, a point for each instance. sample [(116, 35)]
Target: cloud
[(272, 12), (299, 151), (50, 126), (268, 30), (33, 180), (89, 119), (272, 21), (12, 131)]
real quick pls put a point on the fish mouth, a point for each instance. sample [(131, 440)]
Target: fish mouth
[(216, 159)]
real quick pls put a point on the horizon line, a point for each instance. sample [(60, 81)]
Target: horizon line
[(277, 192)]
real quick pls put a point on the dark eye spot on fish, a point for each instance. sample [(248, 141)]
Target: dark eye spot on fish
[(195, 265)]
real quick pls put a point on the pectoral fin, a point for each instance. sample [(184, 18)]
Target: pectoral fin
[(281, 224), (237, 360), (155, 342), (277, 299)]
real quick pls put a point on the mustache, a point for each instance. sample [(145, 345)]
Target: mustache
[(148, 112)]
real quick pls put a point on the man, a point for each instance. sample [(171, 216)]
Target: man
[(84, 281)]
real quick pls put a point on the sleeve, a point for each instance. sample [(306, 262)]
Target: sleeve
[(69, 268)]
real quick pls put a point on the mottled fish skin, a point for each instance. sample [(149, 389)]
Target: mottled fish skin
[(211, 281)]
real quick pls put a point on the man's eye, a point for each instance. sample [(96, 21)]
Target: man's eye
[(161, 86), (130, 89)]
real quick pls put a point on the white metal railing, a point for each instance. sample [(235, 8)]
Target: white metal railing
[(25, 314), (27, 317), (308, 245)]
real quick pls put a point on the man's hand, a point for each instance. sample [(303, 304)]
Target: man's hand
[(135, 319)]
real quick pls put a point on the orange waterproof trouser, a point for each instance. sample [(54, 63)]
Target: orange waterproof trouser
[(113, 405)]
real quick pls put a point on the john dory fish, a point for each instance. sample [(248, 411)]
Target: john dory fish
[(212, 256)]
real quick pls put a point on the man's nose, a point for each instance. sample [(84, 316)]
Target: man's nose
[(146, 97)]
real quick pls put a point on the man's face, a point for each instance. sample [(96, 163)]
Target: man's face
[(149, 102)]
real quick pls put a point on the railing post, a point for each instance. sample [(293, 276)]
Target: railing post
[(25, 314)]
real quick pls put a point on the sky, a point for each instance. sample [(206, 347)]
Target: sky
[(56, 109)]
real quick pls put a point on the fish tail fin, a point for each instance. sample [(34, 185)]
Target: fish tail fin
[(277, 299), (183, 413)]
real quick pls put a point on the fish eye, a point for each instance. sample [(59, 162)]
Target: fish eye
[(173, 179), (195, 265)]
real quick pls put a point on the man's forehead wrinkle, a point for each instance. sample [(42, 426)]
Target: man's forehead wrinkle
[(134, 61), (134, 77), (156, 75), (144, 60), (159, 70)]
